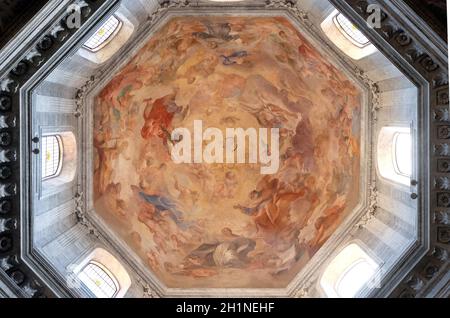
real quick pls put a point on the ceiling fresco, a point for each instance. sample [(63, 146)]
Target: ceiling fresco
[(227, 225)]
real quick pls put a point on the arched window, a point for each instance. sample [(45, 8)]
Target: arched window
[(104, 34), (352, 280), (52, 154), (102, 274), (348, 273), (57, 162), (99, 280), (350, 30), (402, 155), (346, 36), (395, 157), (110, 37)]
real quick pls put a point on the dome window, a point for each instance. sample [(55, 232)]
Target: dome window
[(52, 153), (103, 35), (99, 280), (101, 275), (348, 273), (350, 31), (395, 154), (402, 154), (346, 36)]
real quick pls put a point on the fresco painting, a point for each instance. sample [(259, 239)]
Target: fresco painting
[(227, 225)]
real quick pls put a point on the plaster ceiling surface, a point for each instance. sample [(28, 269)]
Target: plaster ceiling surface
[(225, 225)]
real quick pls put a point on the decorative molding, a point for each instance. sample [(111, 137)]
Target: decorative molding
[(81, 94), (291, 6), (305, 290), (81, 215), (23, 279), (164, 6), (147, 291), (443, 183), (417, 51), (371, 209), (14, 14), (442, 217), (375, 93)]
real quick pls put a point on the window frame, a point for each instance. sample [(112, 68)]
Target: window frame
[(108, 39), (60, 156), (108, 273), (342, 29), (343, 40), (331, 277), (395, 152), (352, 267), (386, 165)]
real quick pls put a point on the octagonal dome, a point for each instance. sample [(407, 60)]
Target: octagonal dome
[(226, 225), (99, 183)]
